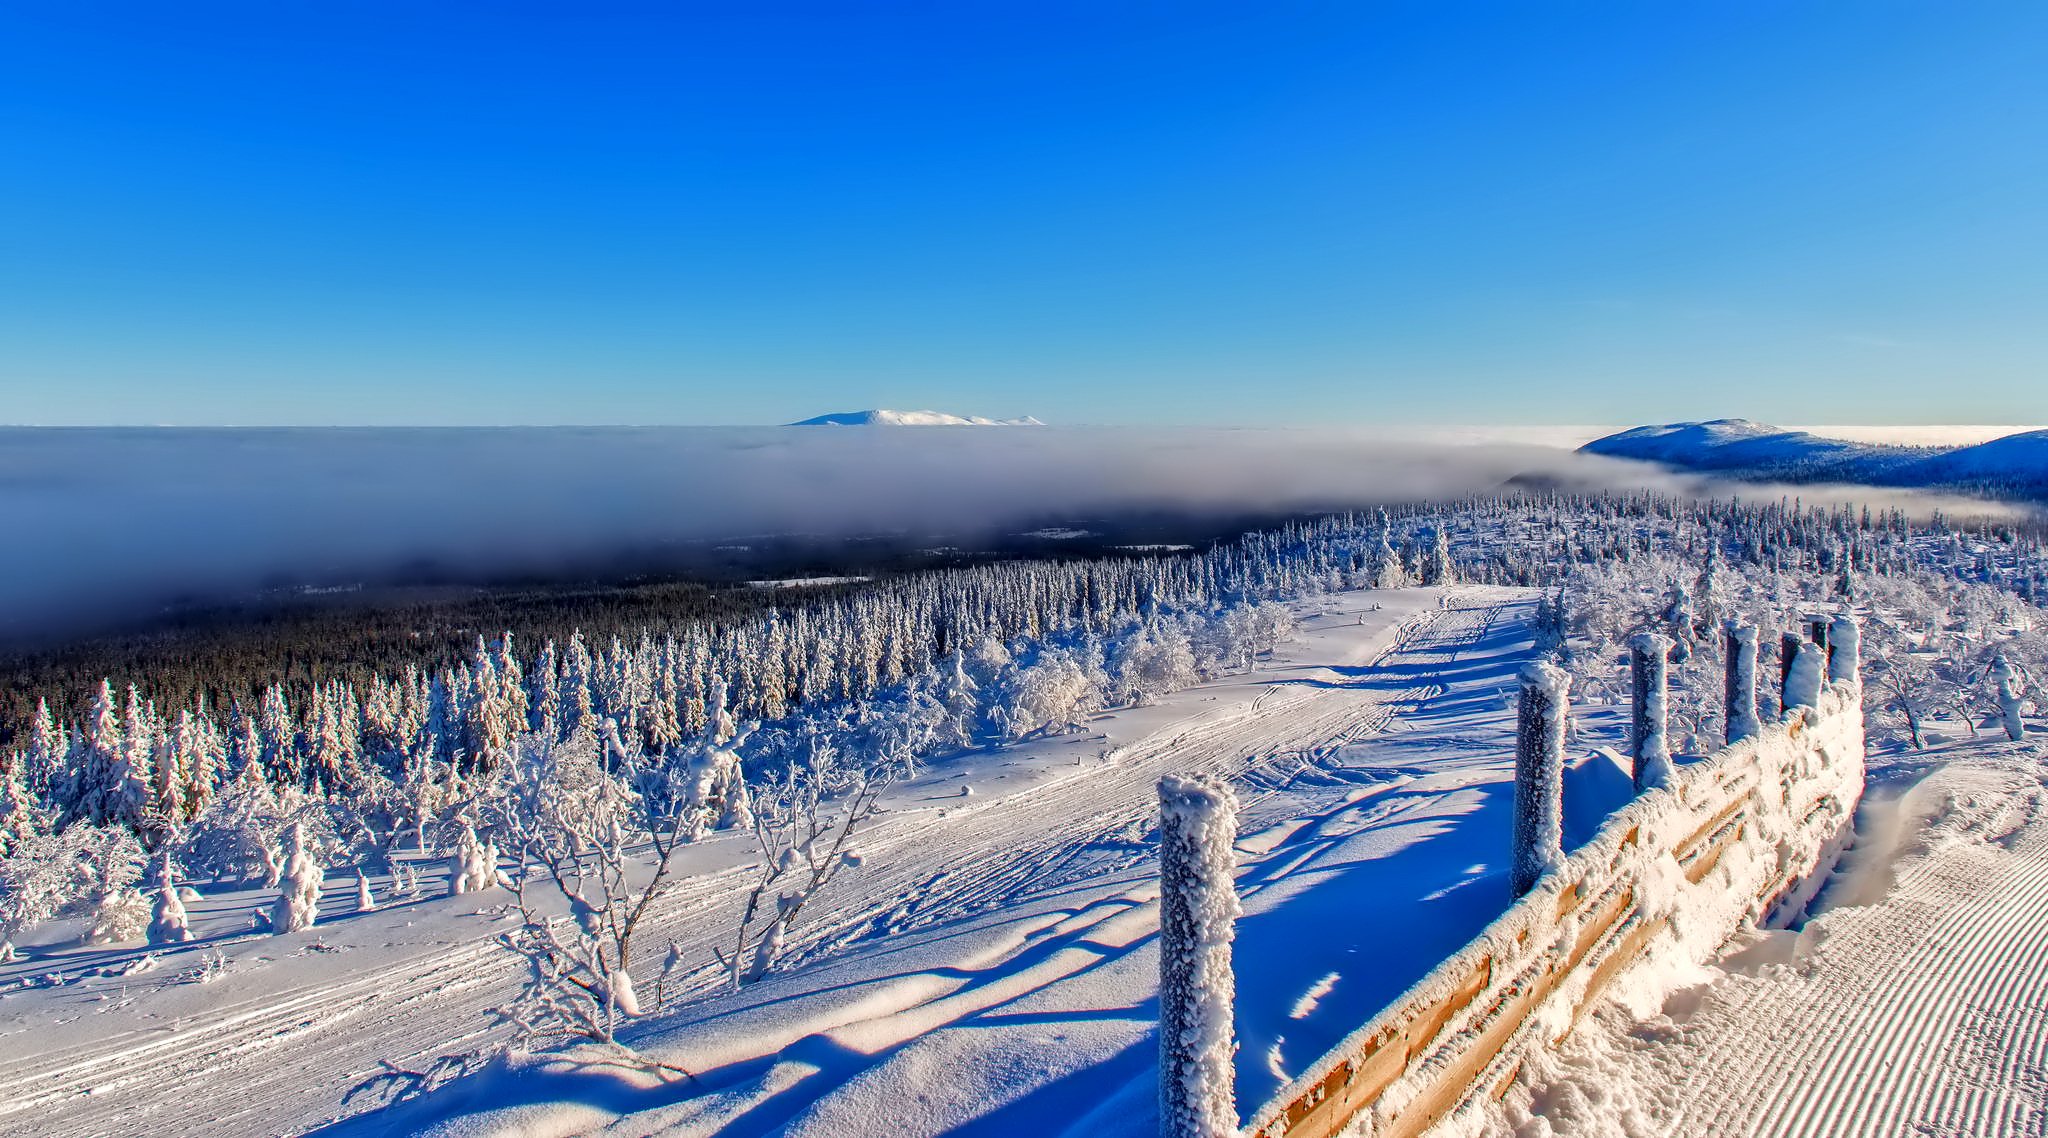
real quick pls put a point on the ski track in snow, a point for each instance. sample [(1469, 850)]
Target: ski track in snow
[(280, 1064), (1922, 1010)]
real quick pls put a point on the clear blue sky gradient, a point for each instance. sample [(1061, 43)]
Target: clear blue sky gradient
[(1094, 213)]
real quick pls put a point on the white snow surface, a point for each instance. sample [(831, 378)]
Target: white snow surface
[(1914, 1000), (990, 968)]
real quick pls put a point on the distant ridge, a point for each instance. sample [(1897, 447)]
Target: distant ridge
[(881, 418), (2015, 465)]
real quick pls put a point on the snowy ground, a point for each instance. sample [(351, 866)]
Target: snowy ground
[(987, 971), (1004, 982), (1914, 1001)]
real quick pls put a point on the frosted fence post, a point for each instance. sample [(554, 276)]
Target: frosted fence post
[(1198, 911), (1803, 682), (1539, 776), (1788, 651), (1739, 686), (1845, 651), (1817, 632), (1650, 742)]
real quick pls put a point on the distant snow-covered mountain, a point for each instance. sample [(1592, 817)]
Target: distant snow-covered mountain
[(881, 418), (1744, 449)]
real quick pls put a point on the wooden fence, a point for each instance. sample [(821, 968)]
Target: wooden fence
[(1746, 835)]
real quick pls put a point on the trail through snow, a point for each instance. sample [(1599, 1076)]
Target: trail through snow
[(1914, 1002), (985, 971), (998, 976)]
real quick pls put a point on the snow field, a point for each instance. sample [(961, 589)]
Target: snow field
[(996, 973), (272, 1044)]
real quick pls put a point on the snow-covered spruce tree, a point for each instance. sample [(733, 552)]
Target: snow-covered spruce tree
[(1539, 776), (366, 901), (119, 911), (168, 923), (298, 899), (1436, 562), (1198, 911)]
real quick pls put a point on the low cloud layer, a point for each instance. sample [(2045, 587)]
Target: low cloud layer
[(104, 521)]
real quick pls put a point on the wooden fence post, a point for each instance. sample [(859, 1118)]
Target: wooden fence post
[(1739, 685), (1845, 651), (1198, 911), (1649, 655), (1539, 776), (1803, 680)]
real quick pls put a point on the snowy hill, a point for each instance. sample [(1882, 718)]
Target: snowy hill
[(1740, 448), (1748, 449), (2016, 462), (884, 418)]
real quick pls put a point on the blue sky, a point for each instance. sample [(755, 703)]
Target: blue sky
[(1096, 213)]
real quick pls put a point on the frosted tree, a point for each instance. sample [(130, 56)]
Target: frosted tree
[(1198, 911), (571, 824), (1436, 562), (168, 923), (366, 901), (2008, 684), (473, 865), (1387, 572), (804, 822), (298, 900), (960, 696), (119, 910)]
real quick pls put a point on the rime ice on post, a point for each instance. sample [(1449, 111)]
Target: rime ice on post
[(1198, 911), (1845, 651), (1649, 665), (1803, 679), (1539, 776), (1739, 689)]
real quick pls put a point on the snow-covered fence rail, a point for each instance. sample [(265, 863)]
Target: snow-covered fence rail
[(1744, 835)]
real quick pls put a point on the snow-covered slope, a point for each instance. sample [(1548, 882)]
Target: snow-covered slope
[(2018, 462), (1742, 448), (885, 418), (1749, 448)]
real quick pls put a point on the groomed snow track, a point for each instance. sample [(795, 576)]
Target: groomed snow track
[(1916, 1003)]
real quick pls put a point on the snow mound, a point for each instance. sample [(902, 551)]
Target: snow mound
[(884, 418)]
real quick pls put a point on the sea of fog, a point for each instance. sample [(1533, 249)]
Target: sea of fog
[(102, 522)]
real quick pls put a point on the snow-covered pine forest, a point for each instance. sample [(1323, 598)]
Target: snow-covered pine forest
[(571, 773)]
